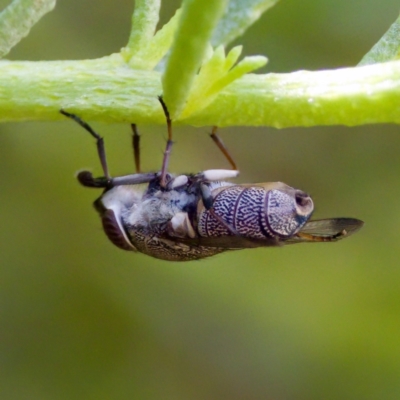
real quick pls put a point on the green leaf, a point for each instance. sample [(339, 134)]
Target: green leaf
[(239, 15), (144, 23), (388, 47), (215, 74), (150, 54), (17, 19), (197, 22)]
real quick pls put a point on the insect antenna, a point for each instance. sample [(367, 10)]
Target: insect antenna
[(167, 152), (218, 141), (136, 147)]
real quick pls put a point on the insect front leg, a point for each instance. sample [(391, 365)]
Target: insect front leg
[(86, 177)]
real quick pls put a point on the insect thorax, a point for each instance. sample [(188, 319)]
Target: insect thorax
[(144, 218)]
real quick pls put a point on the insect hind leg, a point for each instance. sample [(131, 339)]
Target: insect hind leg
[(220, 144)]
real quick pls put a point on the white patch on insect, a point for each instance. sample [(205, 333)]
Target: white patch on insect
[(122, 200), (219, 174), (179, 181), (181, 225)]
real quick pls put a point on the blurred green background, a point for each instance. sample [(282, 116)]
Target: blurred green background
[(81, 319)]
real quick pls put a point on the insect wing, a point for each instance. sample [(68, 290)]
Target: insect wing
[(326, 230), (317, 231), (226, 242)]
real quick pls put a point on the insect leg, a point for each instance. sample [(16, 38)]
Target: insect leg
[(99, 142), (136, 146), (167, 151), (218, 141)]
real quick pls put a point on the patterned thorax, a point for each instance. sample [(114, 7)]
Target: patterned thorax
[(149, 218)]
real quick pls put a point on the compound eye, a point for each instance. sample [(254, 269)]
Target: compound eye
[(114, 231), (287, 211), (304, 203)]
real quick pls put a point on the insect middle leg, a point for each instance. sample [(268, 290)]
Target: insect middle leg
[(136, 147), (167, 152)]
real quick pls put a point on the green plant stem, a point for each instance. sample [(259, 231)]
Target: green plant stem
[(106, 90)]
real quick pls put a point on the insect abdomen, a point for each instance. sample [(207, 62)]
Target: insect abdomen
[(240, 207)]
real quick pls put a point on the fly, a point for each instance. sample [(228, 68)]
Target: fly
[(192, 216)]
